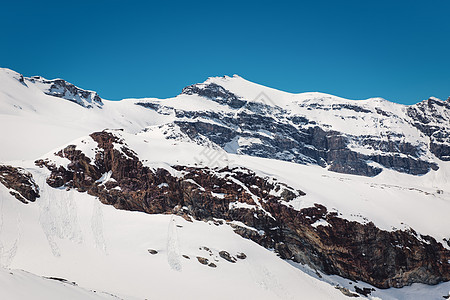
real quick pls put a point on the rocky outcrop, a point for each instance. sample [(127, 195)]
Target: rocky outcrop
[(432, 117), (20, 183), (216, 93), (359, 251), (65, 90), (312, 235)]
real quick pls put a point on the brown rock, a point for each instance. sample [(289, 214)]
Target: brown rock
[(202, 260), (21, 182)]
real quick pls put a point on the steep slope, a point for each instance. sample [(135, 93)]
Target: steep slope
[(432, 117)]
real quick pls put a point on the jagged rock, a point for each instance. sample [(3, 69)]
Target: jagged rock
[(346, 248), (185, 256), (313, 143), (63, 89), (216, 93), (432, 117), (241, 255), (225, 255), (152, 251), (20, 183), (212, 265), (384, 259)]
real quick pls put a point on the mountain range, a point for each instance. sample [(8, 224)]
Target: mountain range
[(230, 189)]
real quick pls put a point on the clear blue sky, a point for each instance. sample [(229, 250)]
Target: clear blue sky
[(399, 50)]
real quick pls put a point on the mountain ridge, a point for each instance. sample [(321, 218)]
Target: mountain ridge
[(215, 79), (347, 136)]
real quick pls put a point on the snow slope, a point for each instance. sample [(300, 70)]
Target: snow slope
[(19, 285), (33, 123)]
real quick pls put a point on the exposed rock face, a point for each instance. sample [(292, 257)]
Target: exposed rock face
[(432, 117), (312, 235), (215, 92), (360, 251), (63, 89), (263, 130), (20, 183), (310, 145)]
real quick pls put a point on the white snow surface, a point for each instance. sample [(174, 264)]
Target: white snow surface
[(20, 285), (72, 235)]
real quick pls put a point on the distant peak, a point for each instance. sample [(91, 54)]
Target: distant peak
[(222, 78), (434, 99), (66, 90), (215, 92)]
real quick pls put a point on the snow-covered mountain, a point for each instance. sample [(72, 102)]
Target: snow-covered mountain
[(279, 195)]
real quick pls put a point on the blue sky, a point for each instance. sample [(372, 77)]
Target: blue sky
[(398, 50)]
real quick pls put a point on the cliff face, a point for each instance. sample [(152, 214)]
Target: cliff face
[(432, 117), (315, 236), (352, 137)]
